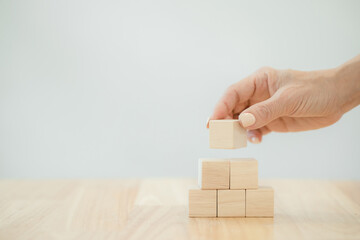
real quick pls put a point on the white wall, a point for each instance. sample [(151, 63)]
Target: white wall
[(123, 88)]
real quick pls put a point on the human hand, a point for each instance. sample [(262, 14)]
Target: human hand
[(288, 101)]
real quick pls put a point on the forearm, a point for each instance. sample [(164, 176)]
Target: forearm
[(347, 83)]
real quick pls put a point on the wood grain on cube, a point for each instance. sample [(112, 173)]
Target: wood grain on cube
[(231, 203), (243, 173), (260, 202), (214, 173), (226, 134), (202, 203)]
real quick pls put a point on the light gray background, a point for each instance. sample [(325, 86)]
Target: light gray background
[(123, 88)]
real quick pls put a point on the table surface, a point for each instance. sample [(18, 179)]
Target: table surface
[(157, 209)]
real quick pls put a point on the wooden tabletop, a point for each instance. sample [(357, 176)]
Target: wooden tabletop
[(157, 209)]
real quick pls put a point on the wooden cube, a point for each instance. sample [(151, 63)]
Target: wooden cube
[(260, 202), (231, 203), (243, 173), (226, 134), (202, 203), (214, 173)]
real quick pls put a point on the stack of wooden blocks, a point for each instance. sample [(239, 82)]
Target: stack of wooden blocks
[(229, 187)]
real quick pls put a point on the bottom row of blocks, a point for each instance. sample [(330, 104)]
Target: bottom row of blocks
[(231, 203)]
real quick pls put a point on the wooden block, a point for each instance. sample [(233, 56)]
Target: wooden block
[(231, 203), (226, 134), (202, 203), (260, 202), (243, 173), (214, 173)]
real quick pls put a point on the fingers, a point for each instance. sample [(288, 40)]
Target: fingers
[(262, 113), (235, 99), (252, 90), (255, 136)]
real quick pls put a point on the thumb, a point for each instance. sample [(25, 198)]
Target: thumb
[(260, 114)]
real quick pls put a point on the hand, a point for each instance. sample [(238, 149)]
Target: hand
[(288, 101)]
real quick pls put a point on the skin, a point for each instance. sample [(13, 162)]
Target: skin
[(291, 101)]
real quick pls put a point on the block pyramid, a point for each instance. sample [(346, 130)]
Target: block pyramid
[(229, 187)]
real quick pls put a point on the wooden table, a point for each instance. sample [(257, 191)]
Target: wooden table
[(157, 209)]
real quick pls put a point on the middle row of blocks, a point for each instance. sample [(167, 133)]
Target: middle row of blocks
[(234, 173)]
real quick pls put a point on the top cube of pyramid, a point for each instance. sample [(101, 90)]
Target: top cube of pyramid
[(226, 134)]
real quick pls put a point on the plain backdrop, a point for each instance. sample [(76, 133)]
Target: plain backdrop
[(116, 88)]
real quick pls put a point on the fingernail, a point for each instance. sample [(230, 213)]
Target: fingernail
[(207, 122), (254, 140), (247, 119)]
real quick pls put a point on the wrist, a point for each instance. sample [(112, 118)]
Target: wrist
[(347, 84)]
